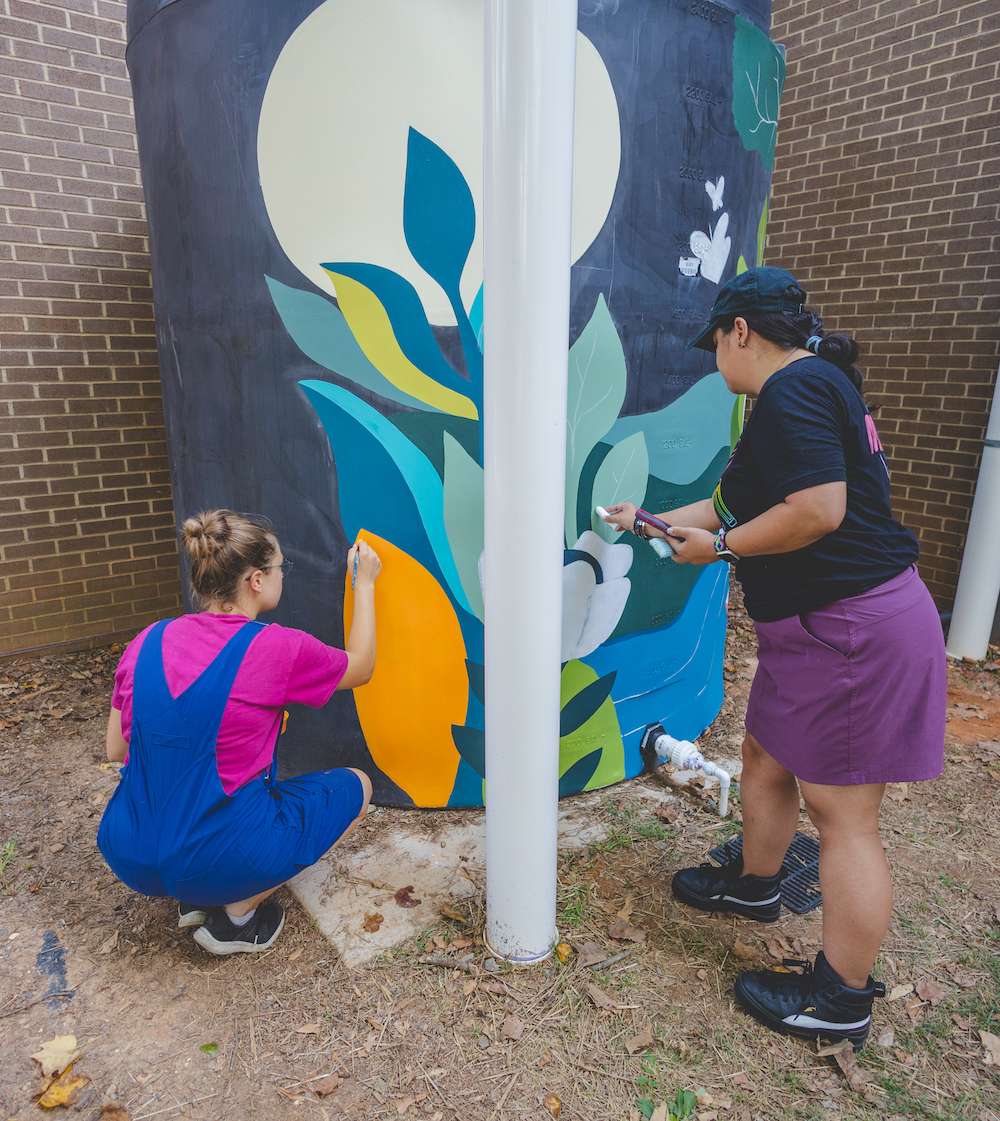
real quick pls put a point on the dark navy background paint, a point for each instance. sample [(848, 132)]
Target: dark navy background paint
[(51, 962), (240, 431)]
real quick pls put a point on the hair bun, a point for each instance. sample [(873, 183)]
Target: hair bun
[(205, 534), (841, 350)]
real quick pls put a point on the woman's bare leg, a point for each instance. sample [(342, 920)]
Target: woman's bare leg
[(853, 876), (244, 906), (769, 799)]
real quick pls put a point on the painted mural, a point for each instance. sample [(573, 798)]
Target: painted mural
[(359, 202)]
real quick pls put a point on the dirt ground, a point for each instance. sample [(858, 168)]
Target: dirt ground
[(627, 1027)]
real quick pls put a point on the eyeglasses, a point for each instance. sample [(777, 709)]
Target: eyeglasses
[(286, 566)]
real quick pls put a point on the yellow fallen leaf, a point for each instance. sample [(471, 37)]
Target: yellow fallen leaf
[(56, 1054), (112, 1111), (564, 951), (64, 1089), (552, 1104)]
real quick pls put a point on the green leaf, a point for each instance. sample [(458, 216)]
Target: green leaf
[(598, 732), (736, 419), (645, 1107), (683, 1105), (209, 1048), (622, 477), (580, 708), (741, 265), (463, 518), (596, 393), (758, 79), (761, 235)]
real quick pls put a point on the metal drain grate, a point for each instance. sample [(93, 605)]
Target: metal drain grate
[(800, 885)]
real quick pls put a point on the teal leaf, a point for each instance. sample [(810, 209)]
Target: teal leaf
[(622, 477), (471, 746), (581, 707), (386, 485), (463, 517), (439, 213), (318, 328), (407, 317), (758, 79), (684, 436), (577, 777), (477, 680), (596, 392), (476, 317)]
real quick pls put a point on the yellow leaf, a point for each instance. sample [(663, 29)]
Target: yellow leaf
[(64, 1089), (564, 951), (57, 1054), (552, 1104)]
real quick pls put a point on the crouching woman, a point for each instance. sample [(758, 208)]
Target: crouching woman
[(199, 815)]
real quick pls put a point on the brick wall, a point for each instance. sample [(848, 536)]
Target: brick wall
[(886, 194), (87, 545)]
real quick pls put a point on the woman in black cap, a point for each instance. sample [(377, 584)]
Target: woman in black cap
[(850, 687)]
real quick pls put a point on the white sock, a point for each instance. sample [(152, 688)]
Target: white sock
[(240, 920)]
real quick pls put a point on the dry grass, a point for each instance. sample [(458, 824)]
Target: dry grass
[(426, 1041)]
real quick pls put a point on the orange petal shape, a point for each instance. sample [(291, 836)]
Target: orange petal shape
[(420, 687)]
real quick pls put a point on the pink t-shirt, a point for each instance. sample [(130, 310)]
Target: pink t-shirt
[(282, 667)]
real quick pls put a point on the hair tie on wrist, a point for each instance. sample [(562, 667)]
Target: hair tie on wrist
[(813, 343)]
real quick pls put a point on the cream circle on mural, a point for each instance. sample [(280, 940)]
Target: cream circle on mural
[(352, 79)]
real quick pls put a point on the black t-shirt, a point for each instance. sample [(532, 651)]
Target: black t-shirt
[(810, 426)]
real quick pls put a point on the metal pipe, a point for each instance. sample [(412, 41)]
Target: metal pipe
[(530, 88), (979, 581)]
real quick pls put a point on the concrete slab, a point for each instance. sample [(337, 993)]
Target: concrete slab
[(440, 855)]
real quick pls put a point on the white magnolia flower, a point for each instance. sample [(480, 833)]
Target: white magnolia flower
[(595, 591)]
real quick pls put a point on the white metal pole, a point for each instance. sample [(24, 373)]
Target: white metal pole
[(530, 87), (979, 582)]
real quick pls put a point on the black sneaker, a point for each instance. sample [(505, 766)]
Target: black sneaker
[(815, 1004), (190, 914), (220, 936), (711, 888)]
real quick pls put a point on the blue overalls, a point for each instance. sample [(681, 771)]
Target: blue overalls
[(171, 830)]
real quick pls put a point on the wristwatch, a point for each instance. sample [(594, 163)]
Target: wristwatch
[(722, 550)]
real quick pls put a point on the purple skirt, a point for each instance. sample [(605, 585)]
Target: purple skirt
[(855, 692)]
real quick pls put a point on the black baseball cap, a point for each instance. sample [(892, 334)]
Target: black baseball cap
[(763, 289)]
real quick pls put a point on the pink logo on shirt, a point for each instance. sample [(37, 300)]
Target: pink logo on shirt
[(873, 438)]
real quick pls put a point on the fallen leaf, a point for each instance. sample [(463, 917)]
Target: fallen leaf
[(209, 1048), (914, 1008), (590, 954), (461, 943), (931, 991), (640, 1042), (898, 791), (828, 1049), (63, 1091), (854, 1076), (702, 974), (704, 1099), (447, 911), (404, 897), (112, 1111), (468, 988), (992, 1044), (899, 991), (622, 931), (552, 1104), (373, 922), (625, 913), (326, 1085), (962, 1022), (742, 1079), (57, 1054), (545, 1060), (599, 997), (404, 1104), (886, 1037), (308, 1029), (564, 951), (744, 952), (513, 1028), (668, 812), (660, 1113)]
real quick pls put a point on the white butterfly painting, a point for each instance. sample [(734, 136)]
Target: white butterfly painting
[(715, 192), (713, 249)]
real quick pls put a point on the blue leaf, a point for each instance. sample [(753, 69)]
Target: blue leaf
[(582, 771), (318, 328), (439, 213), (409, 321), (386, 485)]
